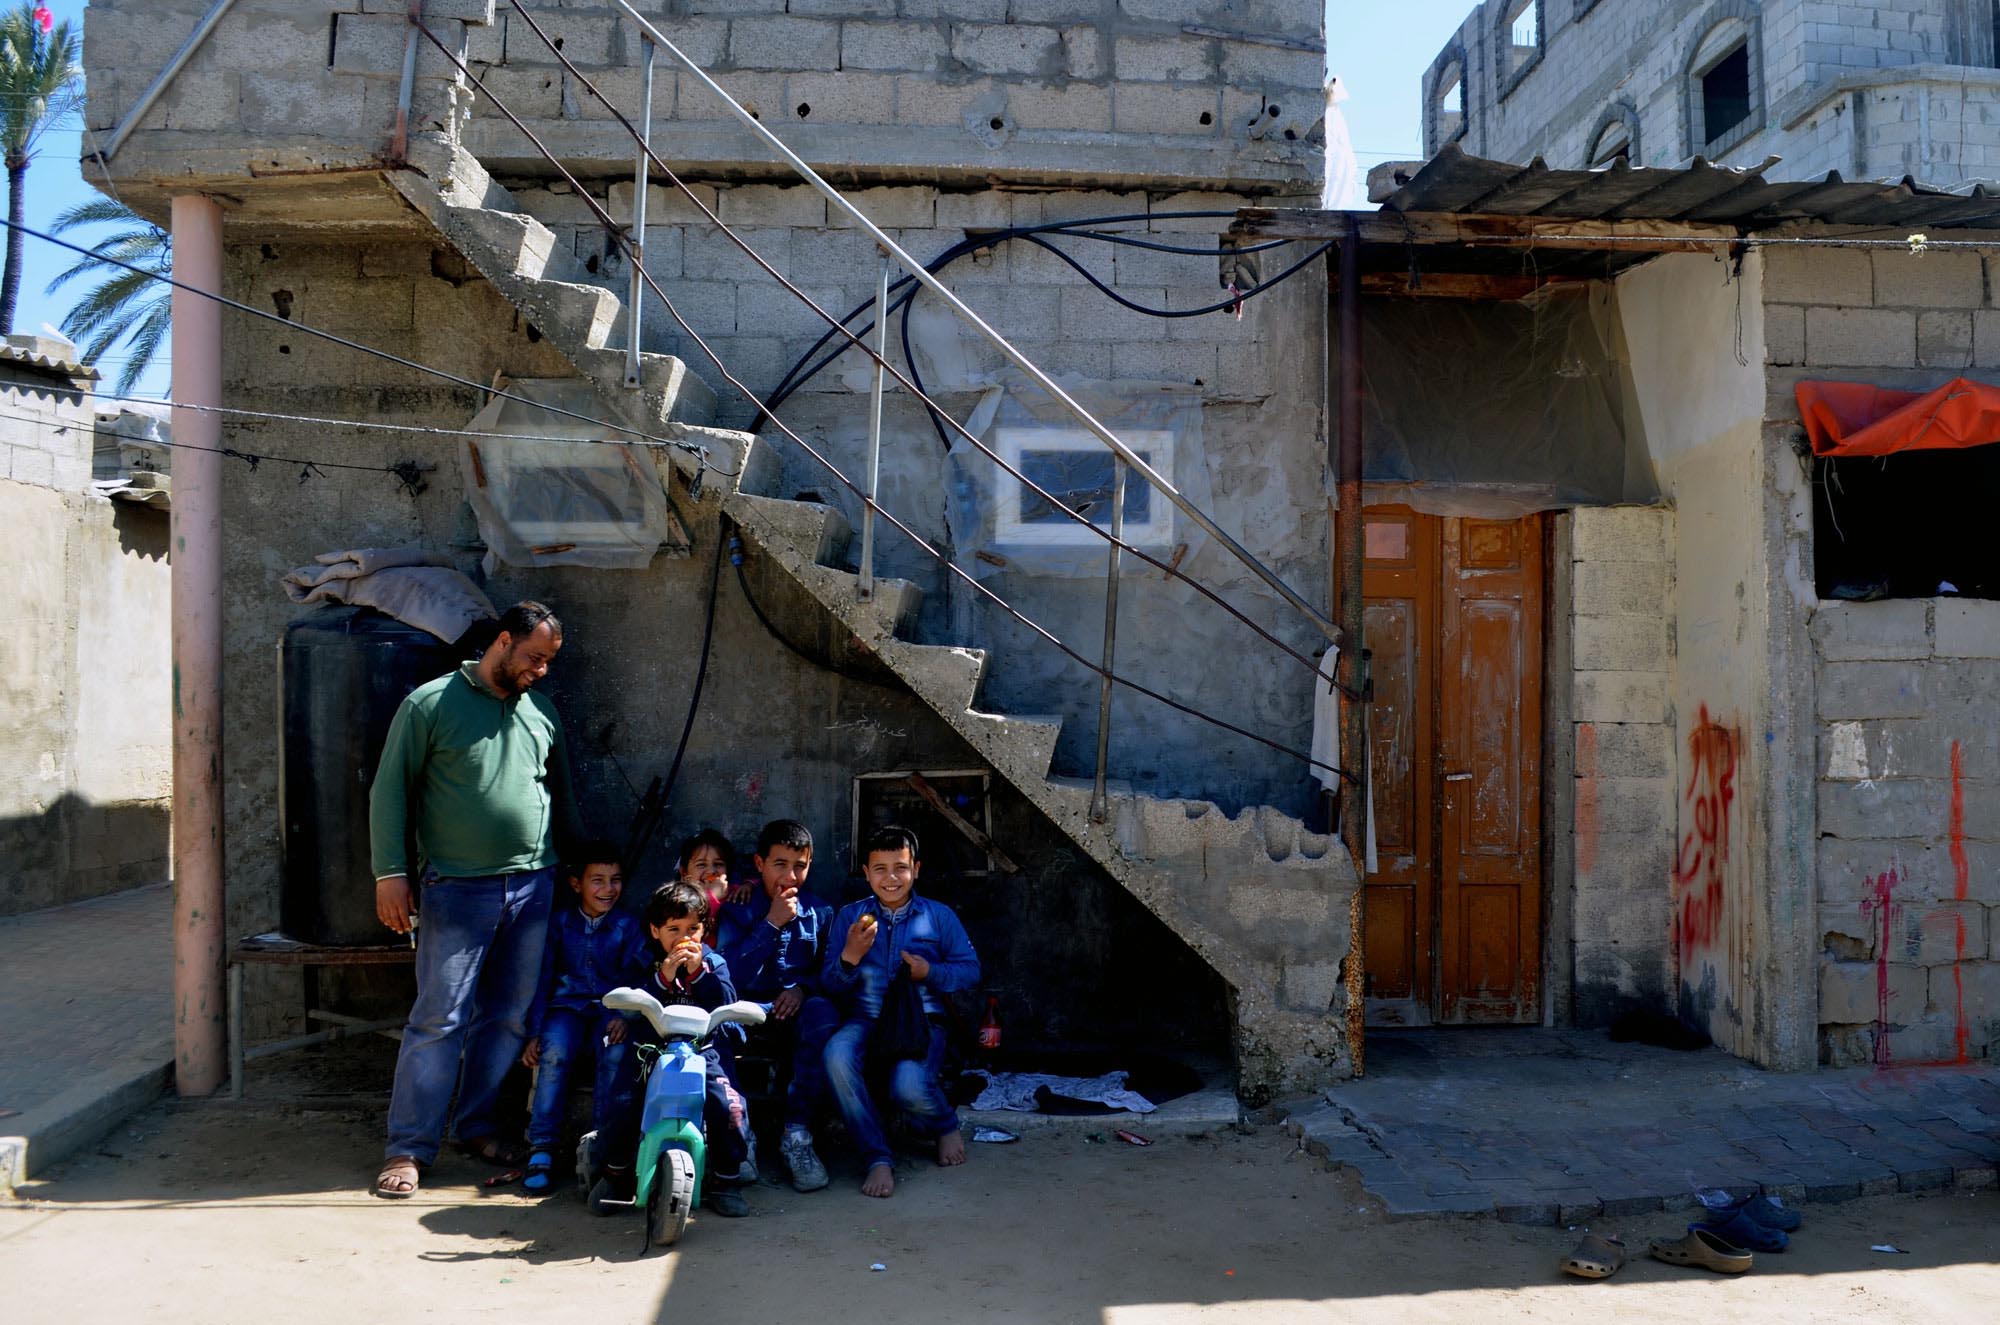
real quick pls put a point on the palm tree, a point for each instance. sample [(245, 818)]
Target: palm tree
[(126, 304), (40, 85)]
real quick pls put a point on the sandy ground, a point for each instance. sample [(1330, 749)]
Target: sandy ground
[(222, 1213)]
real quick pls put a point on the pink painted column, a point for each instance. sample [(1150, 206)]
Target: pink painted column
[(200, 1053)]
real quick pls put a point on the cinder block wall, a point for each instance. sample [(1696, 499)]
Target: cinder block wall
[(1909, 769), (84, 720), (1599, 54), (1906, 970), (1622, 579)]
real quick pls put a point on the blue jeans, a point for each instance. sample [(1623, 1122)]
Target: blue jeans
[(479, 958), (915, 1087), (568, 1038), (803, 1040)]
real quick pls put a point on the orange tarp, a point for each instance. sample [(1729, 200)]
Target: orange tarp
[(1850, 419)]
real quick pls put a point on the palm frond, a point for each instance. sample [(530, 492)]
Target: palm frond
[(144, 346), (127, 303)]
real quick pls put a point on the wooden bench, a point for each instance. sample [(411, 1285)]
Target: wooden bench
[(276, 949)]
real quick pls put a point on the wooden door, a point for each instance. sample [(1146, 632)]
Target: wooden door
[(1452, 913)]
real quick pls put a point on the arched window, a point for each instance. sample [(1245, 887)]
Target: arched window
[(1446, 109), (1616, 137), (1518, 40), (1724, 80)]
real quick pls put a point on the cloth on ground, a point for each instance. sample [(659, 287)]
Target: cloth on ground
[(1015, 1091), (416, 587)]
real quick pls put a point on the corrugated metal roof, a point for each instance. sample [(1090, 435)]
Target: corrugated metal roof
[(32, 354), (1453, 181)]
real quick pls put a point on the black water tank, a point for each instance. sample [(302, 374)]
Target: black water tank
[(342, 672)]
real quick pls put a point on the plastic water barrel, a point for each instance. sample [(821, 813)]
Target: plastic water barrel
[(342, 673)]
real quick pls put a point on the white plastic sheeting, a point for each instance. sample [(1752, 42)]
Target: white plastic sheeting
[(574, 496)]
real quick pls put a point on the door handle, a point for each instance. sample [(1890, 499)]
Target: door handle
[(1458, 777)]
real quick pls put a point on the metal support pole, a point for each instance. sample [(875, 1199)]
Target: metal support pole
[(1347, 522), (1098, 805), (196, 562), (635, 297), (866, 585), (399, 146)]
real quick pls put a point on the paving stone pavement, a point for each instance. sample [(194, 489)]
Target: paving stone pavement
[(86, 1020), (1549, 1126)]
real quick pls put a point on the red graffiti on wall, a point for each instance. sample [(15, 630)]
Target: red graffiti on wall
[(1704, 848), (1881, 904)]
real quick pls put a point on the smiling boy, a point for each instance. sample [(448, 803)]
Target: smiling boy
[(591, 948), (894, 930)]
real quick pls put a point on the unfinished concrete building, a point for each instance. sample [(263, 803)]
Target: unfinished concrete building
[(1881, 90), (1630, 744)]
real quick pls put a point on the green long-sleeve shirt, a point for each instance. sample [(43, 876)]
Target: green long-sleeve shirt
[(485, 778)]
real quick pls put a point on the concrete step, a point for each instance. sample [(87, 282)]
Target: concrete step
[(1029, 737)]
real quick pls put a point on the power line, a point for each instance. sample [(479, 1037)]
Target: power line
[(483, 388), (950, 567), (408, 472)]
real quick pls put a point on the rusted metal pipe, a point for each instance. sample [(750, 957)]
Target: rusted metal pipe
[(1354, 753), (196, 571)]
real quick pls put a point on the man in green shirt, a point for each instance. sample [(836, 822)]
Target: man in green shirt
[(476, 762)]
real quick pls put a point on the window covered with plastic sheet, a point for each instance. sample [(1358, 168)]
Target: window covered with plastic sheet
[(1495, 408), (564, 493)]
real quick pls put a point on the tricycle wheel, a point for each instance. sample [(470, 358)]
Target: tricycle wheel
[(672, 1199)]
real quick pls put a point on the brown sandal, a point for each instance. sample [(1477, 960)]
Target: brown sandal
[(398, 1179), (1595, 1257)]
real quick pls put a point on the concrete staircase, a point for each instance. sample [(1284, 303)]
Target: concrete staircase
[(1262, 901)]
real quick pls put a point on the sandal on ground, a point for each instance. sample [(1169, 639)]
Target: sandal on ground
[(1595, 1258), (541, 1173), (398, 1178), (1703, 1249), (492, 1150), (725, 1201)]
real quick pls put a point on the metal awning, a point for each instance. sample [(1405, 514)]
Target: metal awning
[(1461, 226)]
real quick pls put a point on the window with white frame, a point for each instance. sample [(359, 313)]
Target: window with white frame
[(1076, 468)]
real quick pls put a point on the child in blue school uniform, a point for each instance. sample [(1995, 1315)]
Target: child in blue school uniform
[(775, 941), (894, 930), (692, 973), (591, 948)]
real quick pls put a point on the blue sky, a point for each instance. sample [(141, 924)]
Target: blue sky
[(1380, 49)]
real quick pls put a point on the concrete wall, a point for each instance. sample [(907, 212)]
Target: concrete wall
[(84, 775), (776, 735), (1258, 378), (1877, 90), (1904, 755), (1060, 91), (1739, 881), (1623, 738)]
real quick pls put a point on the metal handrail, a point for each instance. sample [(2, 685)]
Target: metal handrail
[(166, 76), (978, 324)]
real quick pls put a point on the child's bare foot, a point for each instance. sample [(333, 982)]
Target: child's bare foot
[(881, 1181), (951, 1149)]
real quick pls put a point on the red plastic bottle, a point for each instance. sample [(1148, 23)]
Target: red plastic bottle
[(989, 1026)]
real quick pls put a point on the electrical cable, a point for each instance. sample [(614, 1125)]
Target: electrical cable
[(617, 234), (342, 341), (736, 558), (252, 458), (371, 426), (694, 703), (950, 567)]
